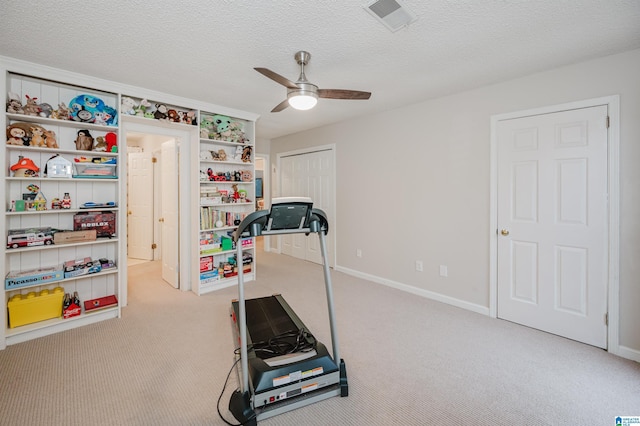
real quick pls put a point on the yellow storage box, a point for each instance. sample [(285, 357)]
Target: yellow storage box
[(33, 307)]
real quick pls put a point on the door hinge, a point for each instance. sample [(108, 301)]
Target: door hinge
[(155, 160), (608, 122), (606, 319), (154, 246)]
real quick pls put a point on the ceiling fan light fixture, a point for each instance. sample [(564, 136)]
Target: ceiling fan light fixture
[(302, 100)]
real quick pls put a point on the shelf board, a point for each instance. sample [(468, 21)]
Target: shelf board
[(225, 181), (64, 123), (66, 280), (62, 151), (224, 283), (217, 253), (225, 204), (220, 142), (59, 211), (243, 163), (56, 325), (66, 180), (101, 240)]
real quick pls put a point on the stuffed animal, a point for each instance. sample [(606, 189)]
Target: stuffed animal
[(14, 106), (141, 109), (172, 115), (204, 133), (161, 112), (128, 106), (16, 135), (206, 155), (50, 139), (37, 138), (84, 141), (246, 154), (238, 154), (32, 108), (62, 113), (101, 145), (112, 144), (45, 110), (222, 155)]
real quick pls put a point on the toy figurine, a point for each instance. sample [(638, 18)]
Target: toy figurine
[(25, 167), (66, 201)]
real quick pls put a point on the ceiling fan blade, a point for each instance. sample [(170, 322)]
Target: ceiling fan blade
[(277, 78), (343, 94), (282, 105)]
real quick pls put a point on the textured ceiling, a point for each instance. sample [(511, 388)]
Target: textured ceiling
[(206, 50)]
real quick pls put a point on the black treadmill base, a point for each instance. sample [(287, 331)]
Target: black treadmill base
[(240, 407)]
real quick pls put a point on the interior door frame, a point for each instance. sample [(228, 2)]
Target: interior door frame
[(613, 285), (188, 137)]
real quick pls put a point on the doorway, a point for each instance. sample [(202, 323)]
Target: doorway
[(152, 197), (157, 198), (554, 198)]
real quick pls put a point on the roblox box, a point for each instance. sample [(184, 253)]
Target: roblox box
[(103, 222)]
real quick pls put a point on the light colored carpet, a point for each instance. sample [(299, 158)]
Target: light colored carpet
[(410, 361)]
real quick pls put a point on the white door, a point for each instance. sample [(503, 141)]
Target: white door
[(140, 206), (170, 208), (311, 175), (552, 223)]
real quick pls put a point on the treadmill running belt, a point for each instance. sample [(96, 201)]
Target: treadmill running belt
[(266, 318)]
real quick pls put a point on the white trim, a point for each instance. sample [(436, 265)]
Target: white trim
[(438, 297), (628, 353), (186, 137), (613, 107), (74, 79)]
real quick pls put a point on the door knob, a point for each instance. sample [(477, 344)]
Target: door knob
[(129, 212), (504, 232)]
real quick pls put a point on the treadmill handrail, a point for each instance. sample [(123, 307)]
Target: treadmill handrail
[(255, 223)]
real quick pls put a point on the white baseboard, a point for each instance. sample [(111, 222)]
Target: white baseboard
[(484, 310), (628, 353)]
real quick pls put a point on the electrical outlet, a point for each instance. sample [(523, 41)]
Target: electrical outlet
[(419, 266), (443, 271), (359, 252)]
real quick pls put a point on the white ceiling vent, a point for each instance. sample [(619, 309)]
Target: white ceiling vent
[(391, 13)]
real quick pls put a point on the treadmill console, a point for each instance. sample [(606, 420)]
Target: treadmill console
[(289, 213)]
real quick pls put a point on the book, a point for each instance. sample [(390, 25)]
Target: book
[(100, 303)]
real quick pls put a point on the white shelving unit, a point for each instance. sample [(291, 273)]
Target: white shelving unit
[(227, 167), (81, 190)]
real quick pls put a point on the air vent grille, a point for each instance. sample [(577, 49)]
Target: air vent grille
[(391, 13)]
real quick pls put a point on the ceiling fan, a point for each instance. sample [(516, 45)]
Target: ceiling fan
[(303, 94)]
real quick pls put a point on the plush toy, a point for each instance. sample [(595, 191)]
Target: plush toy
[(32, 108), (203, 176), (141, 109), (206, 155), (112, 144), (204, 133), (16, 135), (14, 106), (238, 154), (222, 155), (37, 138), (161, 112), (128, 106), (221, 122), (101, 145), (246, 175), (172, 115), (246, 154), (45, 110), (84, 141), (50, 139), (62, 113)]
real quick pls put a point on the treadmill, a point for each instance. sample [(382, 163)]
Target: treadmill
[(282, 365)]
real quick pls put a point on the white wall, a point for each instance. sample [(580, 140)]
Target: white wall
[(413, 183)]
